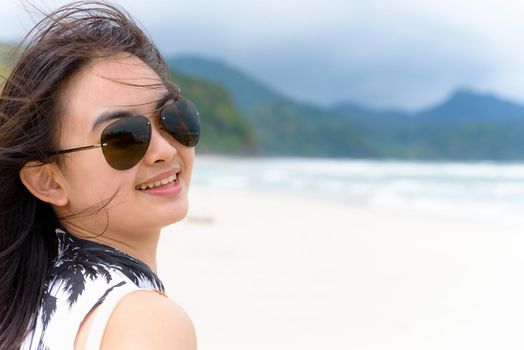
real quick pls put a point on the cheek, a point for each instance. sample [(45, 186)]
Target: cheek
[(91, 181), (188, 156)]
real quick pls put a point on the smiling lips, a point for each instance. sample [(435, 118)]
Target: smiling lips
[(158, 184)]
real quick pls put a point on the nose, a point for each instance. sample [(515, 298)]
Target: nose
[(160, 148)]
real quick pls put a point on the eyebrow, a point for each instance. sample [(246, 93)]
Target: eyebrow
[(112, 115)]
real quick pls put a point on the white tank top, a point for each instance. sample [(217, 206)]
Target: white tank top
[(83, 275)]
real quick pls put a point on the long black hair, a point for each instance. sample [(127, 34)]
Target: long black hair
[(31, 108)]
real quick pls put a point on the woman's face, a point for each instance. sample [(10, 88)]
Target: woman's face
[(119, 83)]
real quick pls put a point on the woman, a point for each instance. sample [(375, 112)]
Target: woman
[(96, 152)]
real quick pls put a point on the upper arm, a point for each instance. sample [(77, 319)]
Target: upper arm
[(145, 320)]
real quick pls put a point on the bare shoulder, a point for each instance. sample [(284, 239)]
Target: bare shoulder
[(146, 320)]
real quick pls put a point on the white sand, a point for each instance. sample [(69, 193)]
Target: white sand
[(259, 271)]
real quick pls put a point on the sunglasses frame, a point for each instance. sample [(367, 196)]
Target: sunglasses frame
[(148, 122)]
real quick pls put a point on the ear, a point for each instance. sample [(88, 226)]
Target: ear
[(43, 180)]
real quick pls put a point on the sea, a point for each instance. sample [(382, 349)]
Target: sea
[(491, 191)]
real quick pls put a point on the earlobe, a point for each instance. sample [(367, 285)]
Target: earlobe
[(42, 180)]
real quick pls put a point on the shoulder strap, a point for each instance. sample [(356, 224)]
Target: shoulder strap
[(104, 311)]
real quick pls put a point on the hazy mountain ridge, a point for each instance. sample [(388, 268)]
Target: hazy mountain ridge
[(282, 126), (245, 90), (463, 104), (466, 126), (241, 115), (471, 105)]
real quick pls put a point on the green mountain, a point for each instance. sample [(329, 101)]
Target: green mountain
[(469, 105), (466, 126), (473, 125), (246, 91), (4, 59), (3, 72), (224, 129), (283, 126), (242, 116)]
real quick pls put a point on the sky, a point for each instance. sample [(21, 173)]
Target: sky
[(399, 54)]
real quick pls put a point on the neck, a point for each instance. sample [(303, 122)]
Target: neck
[(141, 246)]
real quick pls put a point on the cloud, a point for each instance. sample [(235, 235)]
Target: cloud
[(401, 53)]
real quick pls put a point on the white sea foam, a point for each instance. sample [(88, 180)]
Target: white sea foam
[(492, 191)]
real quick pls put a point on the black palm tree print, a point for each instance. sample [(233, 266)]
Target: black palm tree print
[(79, 261)]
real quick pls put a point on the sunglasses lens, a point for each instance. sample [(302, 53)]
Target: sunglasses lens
[(182, 121), (126, 141)]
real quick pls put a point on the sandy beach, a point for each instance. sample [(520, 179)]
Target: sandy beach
[(267, 271)]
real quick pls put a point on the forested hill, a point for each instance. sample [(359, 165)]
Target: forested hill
[(224, 128), (241, 115), (468, 105), (282, 126), (4, 53), (465, 126)]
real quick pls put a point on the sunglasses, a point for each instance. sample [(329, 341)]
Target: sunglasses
[(125, 141)]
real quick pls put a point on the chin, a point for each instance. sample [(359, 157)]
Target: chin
[(176, 215)]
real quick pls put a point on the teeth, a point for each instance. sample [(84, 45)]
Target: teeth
[(165, 181)]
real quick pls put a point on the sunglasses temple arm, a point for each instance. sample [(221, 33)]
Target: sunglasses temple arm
[(81, 148)]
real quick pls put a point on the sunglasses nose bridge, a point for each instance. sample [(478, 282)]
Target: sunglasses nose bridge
[(160, 147)]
